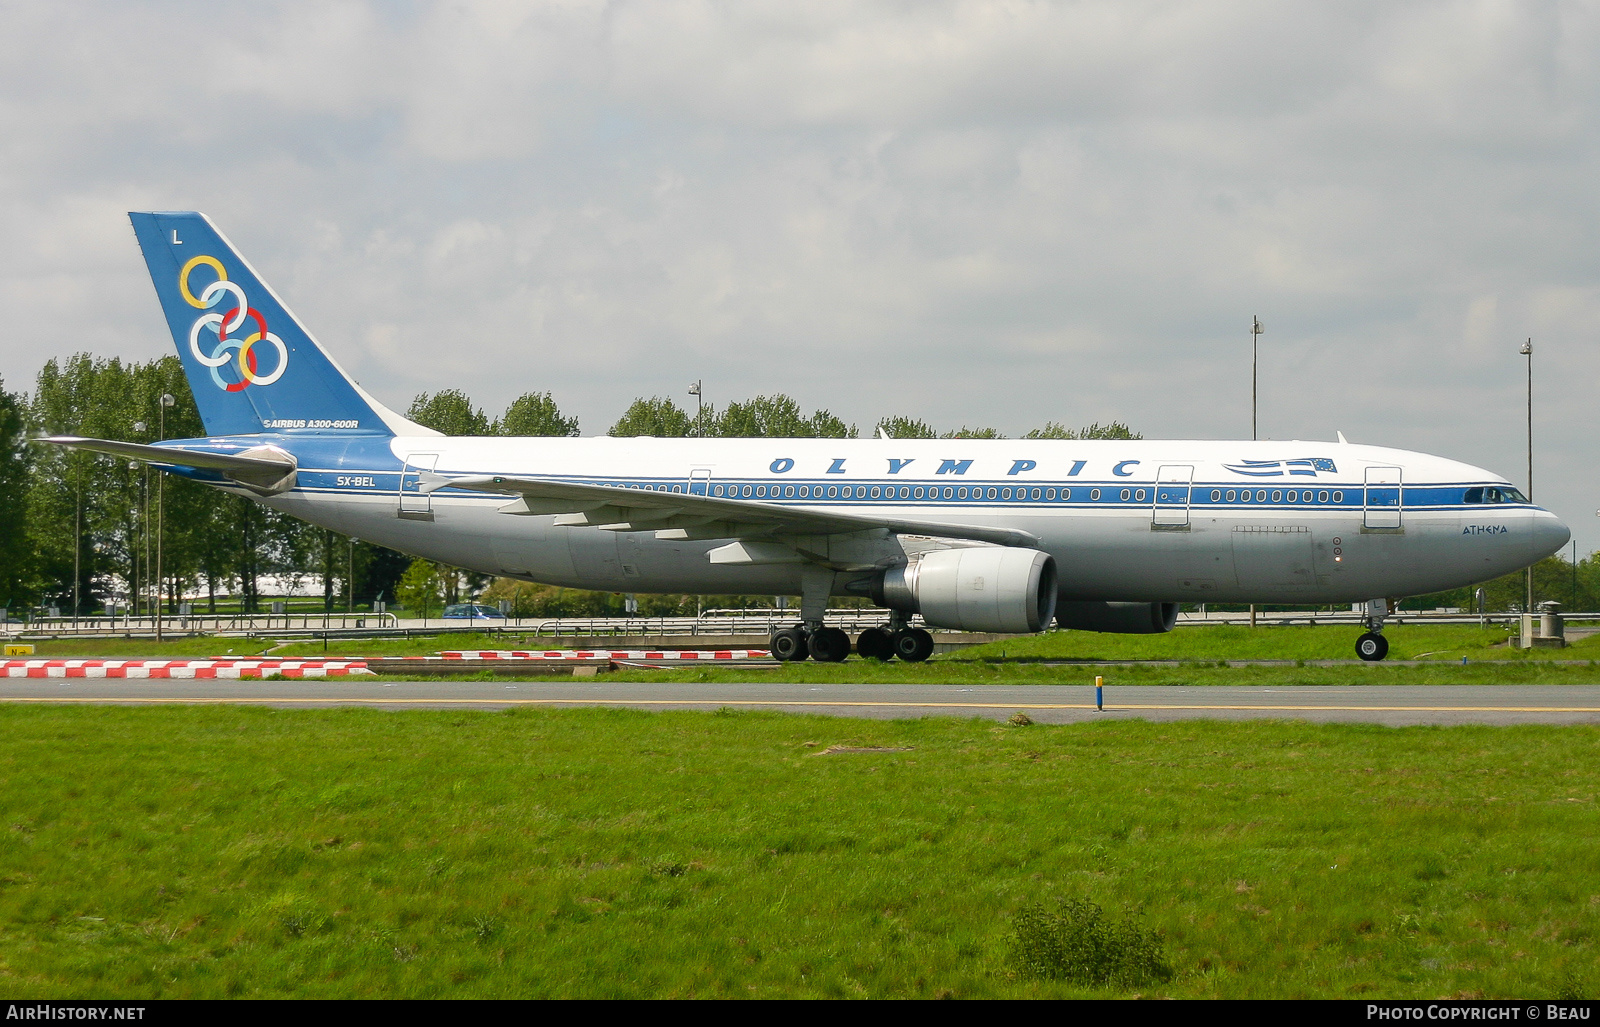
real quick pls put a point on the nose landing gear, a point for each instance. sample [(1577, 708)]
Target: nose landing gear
[(1372, 646)]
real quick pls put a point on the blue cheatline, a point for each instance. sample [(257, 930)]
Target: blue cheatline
[(252, 365)]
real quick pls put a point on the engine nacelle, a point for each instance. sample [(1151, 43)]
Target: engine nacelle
[(1118, 618), (986, 588)]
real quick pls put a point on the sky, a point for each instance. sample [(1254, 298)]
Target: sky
[(983, 214)]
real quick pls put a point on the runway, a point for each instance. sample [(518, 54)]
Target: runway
[(1395, 705)]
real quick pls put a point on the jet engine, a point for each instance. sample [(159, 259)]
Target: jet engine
[(982, 588), (1118, 618)]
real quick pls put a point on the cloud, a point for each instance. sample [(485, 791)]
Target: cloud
[(999, 213)]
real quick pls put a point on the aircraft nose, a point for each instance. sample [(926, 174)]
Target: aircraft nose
[(1549, 534)]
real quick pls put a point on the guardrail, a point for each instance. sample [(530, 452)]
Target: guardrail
[(714, 622), (207, 622), (755, 622)]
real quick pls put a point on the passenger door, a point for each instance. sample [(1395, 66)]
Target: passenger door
[(1171, 510), (1382, 507), (416, 505)]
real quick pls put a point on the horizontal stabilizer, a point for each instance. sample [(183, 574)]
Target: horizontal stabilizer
[(263, 469)]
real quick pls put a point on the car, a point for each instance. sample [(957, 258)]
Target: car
[(471, 611)]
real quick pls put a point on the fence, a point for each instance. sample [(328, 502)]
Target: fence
[(207, 623), (711, 622)]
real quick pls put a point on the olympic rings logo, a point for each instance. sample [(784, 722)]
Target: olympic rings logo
[(223, 325)]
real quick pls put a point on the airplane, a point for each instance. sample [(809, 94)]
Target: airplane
[(1007, 535)]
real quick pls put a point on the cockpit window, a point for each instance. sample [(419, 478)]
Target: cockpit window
[(1494, 494)]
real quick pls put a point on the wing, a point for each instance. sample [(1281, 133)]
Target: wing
[(679, 515)]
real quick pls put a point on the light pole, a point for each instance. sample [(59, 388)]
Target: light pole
[(1255, 335), (696, 390), (166, 401), (1527, 351), (144, 501), (350, 577)]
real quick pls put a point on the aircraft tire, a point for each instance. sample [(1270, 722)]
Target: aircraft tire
[(789, 645), (1372, 647), (913, 645), (829, 645), (875, 644)]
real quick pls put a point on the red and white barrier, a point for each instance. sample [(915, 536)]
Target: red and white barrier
[(249, 669), (605, 654), (181, 669)]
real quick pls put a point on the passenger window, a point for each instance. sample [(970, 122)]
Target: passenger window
[(992, 493), (1048, 493), (1035, 494), (1322, 497), (1094, 495), (1125, 494), (1216, 495), (761, 490), (1338, 497), (833, 491), (788, 491), (874, 492), (1277, 497), (948, 492), (747, 491), (1139, 496)]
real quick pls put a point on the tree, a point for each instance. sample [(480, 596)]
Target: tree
[(419, 588), (451, 412), (654, 416), (972, 433), (905, 428), (1055, 430), (535, 414), (15, 465), (778, 417)]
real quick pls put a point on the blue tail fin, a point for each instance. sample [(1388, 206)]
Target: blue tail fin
[(252, 365)]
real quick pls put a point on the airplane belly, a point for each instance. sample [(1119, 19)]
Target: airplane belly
[(1274, 559), (528, 548)]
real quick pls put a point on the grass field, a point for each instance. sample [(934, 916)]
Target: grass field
[(1442, 642), (252, 852), (1020, 660)]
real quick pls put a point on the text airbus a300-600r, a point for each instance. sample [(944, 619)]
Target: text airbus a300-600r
[(982, 535)]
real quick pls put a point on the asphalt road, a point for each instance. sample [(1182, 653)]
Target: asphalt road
[(1057, 704)]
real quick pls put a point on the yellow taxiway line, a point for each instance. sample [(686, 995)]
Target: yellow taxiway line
[(1119, 708)]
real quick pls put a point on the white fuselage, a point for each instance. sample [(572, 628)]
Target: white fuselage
[(1189, 521)]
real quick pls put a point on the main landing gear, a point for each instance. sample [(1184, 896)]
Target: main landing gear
[(1372, 646), (912, 645), (811, 639), (831, 645)]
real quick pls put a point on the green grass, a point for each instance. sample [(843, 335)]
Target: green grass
[(1015, 673), (1019, 660), (1443, 642), (224, 851)]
